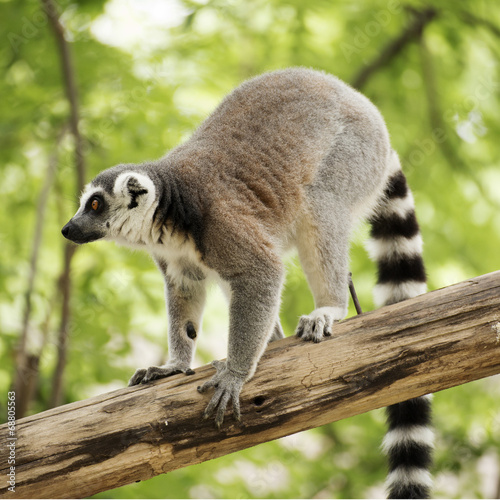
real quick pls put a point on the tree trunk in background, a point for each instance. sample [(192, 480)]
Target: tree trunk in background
[(27, 362), (62, 341), (65, 280)]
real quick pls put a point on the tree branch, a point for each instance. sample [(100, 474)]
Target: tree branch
[(473, 20), (70, 88), (395, 46), (432, 342), (62, 340)]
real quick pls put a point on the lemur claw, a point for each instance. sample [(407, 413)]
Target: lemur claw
[(227, 385), (317, 325), (143, 375)]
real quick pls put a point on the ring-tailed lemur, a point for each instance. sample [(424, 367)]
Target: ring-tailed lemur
[(293, 158)]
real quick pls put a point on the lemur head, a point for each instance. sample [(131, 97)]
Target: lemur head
[(118, 204)]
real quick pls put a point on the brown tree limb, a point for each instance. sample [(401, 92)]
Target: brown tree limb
[(432, 342), (474, 20), (395, 46), (63, 334), (68, 74), (70, 88)]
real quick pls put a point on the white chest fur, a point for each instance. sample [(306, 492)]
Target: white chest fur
[(184, 263)]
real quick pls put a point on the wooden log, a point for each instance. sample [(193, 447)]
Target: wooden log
[(438, 340)]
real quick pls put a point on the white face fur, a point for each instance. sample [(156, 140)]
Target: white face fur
[(125, 215), (132, 209)]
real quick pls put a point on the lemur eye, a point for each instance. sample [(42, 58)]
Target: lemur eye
[(95, 204)]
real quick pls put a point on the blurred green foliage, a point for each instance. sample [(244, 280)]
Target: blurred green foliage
[(148, 73)]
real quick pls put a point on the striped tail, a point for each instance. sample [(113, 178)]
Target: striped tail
[(396, 246), (408, 444)]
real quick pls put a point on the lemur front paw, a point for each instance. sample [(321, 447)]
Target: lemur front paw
[(317, 325), (143, 375), (227, 386)]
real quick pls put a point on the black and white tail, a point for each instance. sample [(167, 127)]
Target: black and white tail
[(396, 246)]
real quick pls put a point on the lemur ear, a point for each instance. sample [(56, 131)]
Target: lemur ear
[(135, 189), (131, 186)]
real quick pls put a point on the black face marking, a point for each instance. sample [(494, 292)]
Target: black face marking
[(191, 332), (107, 225)]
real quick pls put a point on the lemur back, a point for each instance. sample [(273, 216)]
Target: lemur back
[(293, 158)]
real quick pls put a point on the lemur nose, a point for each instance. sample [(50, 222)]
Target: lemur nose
[(65, 230)]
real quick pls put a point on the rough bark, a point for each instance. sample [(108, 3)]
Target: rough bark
[(438, 340)]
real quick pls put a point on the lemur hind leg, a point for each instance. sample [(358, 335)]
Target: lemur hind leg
[(345, 188), (323, 245), (277, 332), (185, 302)]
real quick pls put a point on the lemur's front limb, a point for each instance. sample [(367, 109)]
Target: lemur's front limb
[(253, 310), (185, 302)]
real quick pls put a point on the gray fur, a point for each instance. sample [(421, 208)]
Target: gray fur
[(292, 158)]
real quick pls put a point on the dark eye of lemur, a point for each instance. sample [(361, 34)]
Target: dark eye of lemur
[(95, 204)]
